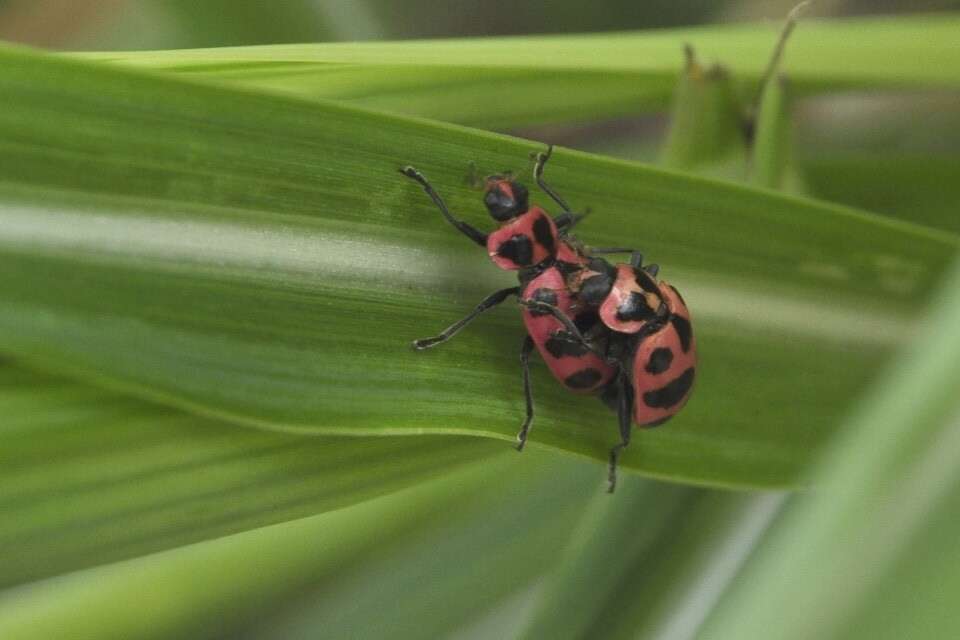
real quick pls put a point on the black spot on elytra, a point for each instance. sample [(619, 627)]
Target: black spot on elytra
[(585, 320), (669, 395), (646, 283), (635, 307), (545, 295), (659, 360), (583, 379), (544, 234), (594, 289), (684, 330), (518, 249), (561, 344)]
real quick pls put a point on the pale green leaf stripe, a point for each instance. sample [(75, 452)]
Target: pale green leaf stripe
[(657, 576), (88, 476), (880, 530), (774, 136), (603, 551), (508, 81), (897, 49), (258, 258), (218, 587), (454, 567), (680, 579)]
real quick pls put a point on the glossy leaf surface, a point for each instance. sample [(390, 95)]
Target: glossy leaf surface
[(258, 258), (501, 82)]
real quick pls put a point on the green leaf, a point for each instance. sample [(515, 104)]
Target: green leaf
[(920, 186), (674, 585), (602, 553), (259, 258), (455, 566), (707, 123), (880, 530), (652, 563), (892, 154), (772, 160), (217, 587), (570, 77), (88, 476)]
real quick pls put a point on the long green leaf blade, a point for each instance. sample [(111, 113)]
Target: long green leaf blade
[(830, 567), (603, 552), (502, 538), (772, 160), (922, 187), (564, 77), (258, 258), (706, 122), (88, 476), (218, 587)]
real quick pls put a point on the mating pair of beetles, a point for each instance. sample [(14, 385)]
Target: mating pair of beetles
[(611, 330)]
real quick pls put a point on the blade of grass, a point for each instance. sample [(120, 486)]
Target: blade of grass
[(674, 586), (923, 187), (459, 563), (602, 552), (216, 588), (568, 77), (771, 161), (917, 595), (88, 476), (706, 123), (259, 259), (888, 483)]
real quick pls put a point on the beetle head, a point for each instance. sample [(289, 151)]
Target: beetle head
[(505, 199)]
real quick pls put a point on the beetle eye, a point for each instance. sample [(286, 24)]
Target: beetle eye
[(505, 199)]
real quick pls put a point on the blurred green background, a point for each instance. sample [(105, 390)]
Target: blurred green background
[(176, 24)]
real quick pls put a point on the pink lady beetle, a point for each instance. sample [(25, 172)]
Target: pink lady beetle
[(650, 341), (531, 242)]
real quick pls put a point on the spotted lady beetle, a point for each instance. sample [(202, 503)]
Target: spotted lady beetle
[(649, 340), (537, 246)]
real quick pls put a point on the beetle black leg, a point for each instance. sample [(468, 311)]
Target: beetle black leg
[(573, 333), (624, 415), (636, 259), (477, 236), (652, 269), (564, 319), (542, 158), (567, 221), (490, 301), (527, 393)]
